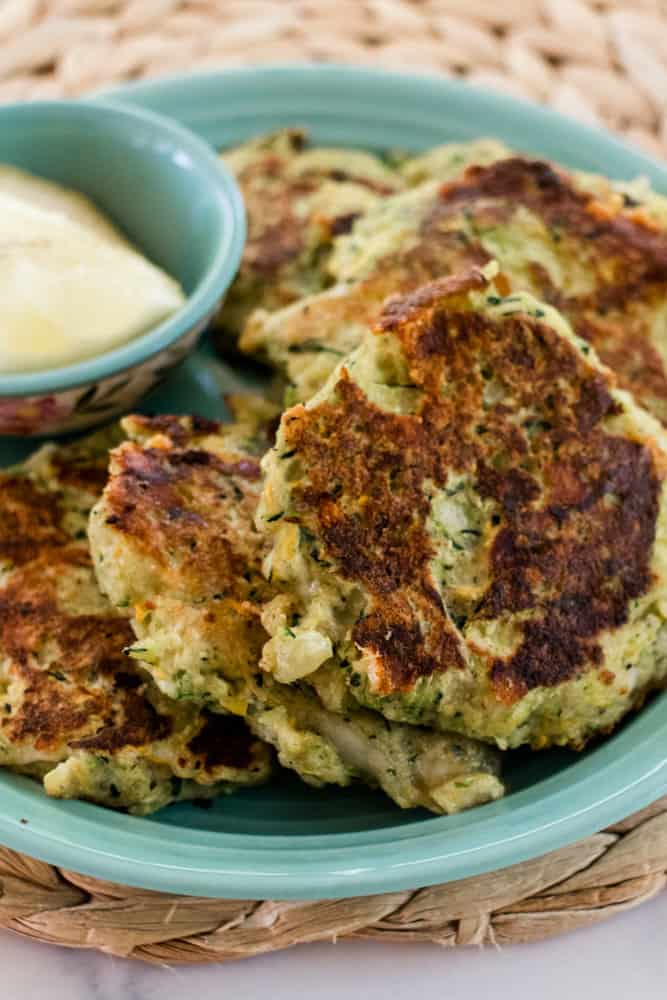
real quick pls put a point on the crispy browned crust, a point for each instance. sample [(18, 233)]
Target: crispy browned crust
[(574, 507), (70, 684), (401, 309), (624, 253), (34, 507), (79, 688), (84, 472), (276, 234), (174, 503), (30, 520), (222, 743), (180, 429)]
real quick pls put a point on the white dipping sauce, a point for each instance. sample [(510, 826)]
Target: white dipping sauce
[(71, 286)]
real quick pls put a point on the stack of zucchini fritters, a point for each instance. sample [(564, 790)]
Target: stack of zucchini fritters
[(451, 542)]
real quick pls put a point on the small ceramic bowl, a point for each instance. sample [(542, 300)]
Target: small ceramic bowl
[(171, 196)]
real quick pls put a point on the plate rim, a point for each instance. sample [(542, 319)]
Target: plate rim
[(144, 853), (148, 854), (135, 92)]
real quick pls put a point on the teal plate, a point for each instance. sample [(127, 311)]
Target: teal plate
[(288, 841)]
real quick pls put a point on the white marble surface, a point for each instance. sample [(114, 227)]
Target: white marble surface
[(624, 958)]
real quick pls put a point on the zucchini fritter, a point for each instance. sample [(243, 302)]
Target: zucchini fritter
[(174, 542), (447, 162), (297, 200), (468, 523), (588, 247), (75, 710)]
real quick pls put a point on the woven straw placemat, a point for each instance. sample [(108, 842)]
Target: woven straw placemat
[(578, 885), (601, 60), (604, 61)]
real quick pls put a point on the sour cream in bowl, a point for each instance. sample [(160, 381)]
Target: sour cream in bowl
[(119, 235)]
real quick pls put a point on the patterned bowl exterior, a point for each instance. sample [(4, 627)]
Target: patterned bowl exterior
[(93, 403), (168, 191)]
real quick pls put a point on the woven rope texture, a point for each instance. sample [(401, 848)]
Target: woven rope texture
[(571, 888), (601, 60)]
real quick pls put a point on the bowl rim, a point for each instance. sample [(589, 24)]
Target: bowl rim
[(214, 281)]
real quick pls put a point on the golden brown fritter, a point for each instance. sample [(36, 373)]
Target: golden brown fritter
[(297, 199), (471, 520), (175, 544), (576, 242), (45, 502), (75, 709)]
